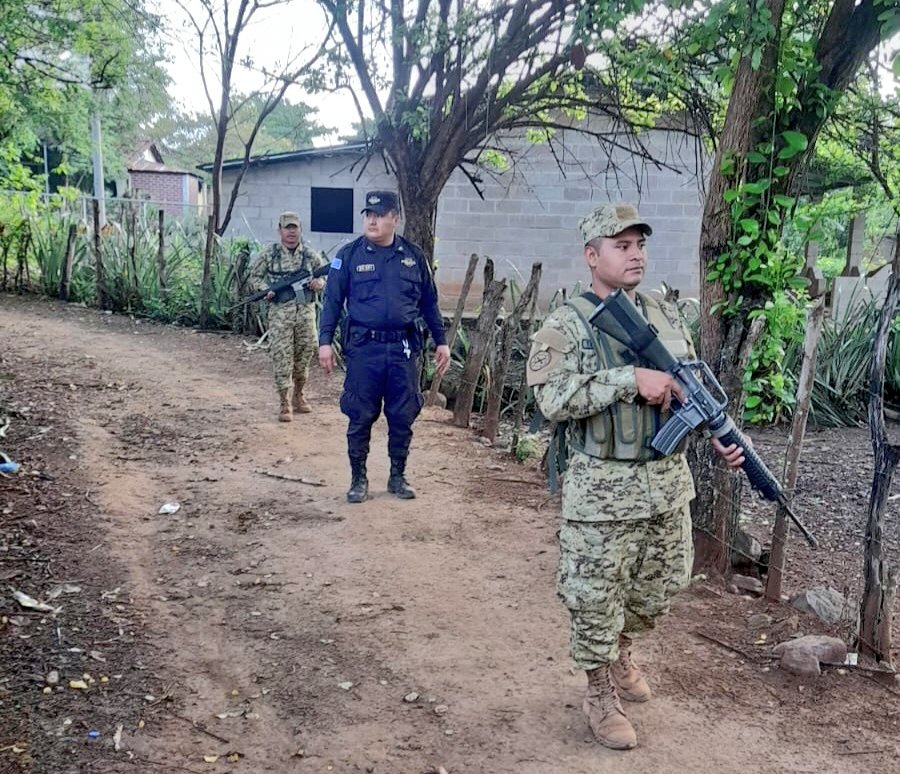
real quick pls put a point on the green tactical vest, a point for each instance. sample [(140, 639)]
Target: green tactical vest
[(624, 430)]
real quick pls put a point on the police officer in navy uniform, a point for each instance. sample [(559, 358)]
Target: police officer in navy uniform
[(386, 283)]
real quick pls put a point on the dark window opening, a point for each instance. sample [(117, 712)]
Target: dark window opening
[(332, 210)]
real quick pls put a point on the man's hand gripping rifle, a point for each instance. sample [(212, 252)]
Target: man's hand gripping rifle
[(617, 317), (292, 286)]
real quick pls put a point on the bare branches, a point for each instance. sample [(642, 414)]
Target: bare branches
[(354, 46)]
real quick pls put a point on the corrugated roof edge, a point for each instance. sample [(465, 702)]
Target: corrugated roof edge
[(298, 155)]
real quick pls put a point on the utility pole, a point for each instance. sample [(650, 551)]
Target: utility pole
[(97, 158)]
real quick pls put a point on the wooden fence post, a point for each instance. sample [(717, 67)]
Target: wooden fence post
[(65, 274), (99, 279), (795, 446), (132, 250), (523, 382), (480, 343), (22, 260), (504, 351), (454, 326), (161, 255), (876, 609)]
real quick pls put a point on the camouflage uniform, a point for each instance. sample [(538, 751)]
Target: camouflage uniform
[(625, 538), (292, 325)]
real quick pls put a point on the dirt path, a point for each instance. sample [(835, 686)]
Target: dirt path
[(306, 621)]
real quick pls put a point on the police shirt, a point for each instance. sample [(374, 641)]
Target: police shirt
[(384, 288)]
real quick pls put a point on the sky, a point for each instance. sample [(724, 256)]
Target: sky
[(276, 34)]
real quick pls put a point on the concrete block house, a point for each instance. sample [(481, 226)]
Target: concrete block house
[(530, 210)]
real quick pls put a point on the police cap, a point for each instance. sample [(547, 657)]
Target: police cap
[(381, 202)]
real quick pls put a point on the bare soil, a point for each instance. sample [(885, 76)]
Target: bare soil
[(273, 625)]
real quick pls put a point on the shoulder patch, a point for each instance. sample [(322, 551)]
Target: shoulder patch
[(336, 263), (548, 348), (552, 338)]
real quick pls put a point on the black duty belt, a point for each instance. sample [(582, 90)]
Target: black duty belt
[(384, 336)]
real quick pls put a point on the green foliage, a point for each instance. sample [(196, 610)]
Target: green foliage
[(65, 59), (188, 140), (134, 282), (768, 387), (841, 388), (529, 447)]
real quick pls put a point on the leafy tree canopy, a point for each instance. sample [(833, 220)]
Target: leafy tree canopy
[(190, 140), (63, 59)]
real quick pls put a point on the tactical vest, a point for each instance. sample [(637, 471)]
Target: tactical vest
[(276, 275), (624, 430)]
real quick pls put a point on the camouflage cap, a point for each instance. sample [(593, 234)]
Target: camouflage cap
[(288, 219), (612, 219), (381, 202)]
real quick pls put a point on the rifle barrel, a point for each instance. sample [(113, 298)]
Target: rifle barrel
[(813, 543)]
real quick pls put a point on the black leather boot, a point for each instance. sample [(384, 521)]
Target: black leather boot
[(359, 484), (397, 484)]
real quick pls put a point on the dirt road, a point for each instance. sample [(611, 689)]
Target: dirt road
[(392, 637)]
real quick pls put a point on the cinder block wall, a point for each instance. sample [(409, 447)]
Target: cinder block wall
[(529, 212)]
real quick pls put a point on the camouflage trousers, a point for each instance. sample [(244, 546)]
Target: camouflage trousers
[(617, 577), (292, 342)]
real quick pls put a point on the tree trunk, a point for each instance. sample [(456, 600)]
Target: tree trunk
[(419, 217), (849, 34), (716, 508), (500, 367), (876, 607), (457, 318), (717, 505), (792, 456), (480, 342)]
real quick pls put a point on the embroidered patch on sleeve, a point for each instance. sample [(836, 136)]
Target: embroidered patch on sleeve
[(336, 264)]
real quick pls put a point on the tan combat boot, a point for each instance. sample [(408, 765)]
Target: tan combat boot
[(627, 677), (301, 405), (285, 412), (605, 714)]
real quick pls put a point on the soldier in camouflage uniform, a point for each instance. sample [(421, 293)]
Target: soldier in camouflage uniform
[(292, 324), (625, 538)]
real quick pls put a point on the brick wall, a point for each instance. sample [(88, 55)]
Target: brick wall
[(529, 212), (172, 191)]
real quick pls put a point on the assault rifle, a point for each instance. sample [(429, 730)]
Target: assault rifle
[(617, 317), (291, 286)]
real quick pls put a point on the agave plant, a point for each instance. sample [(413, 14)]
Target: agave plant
[(841, 387)]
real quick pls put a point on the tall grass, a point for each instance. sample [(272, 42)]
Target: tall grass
[(134, 282)]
